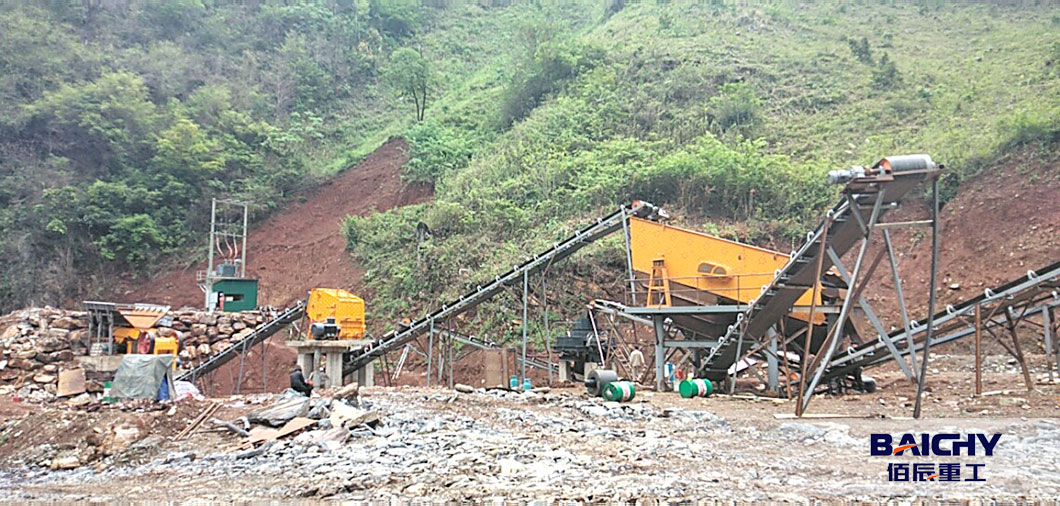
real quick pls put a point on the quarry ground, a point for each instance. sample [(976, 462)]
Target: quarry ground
[(560, 445)]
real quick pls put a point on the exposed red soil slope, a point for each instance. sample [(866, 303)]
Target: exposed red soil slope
[(1000, 225), (302, 247)]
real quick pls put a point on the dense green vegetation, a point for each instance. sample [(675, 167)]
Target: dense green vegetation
[(529, 118), (728, 115), (120, 120)]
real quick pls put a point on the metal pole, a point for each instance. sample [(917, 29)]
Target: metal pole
[(430, 352), (548, 336), (209, 261), (736, 365), (629, 259), (901, 301), (978, 350), (660, 372), (772, 362), (526, 289), (1047, 325), (1019, 350), (243, 260), (264, 382), (813, 309), (451, 345), (931, 294)]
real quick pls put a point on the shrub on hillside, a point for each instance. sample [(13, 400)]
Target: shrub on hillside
[(553, 65), (434, 150), (736, 107)]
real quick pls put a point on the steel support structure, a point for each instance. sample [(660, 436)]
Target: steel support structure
[(604, 226), (1030, 296), (229, 222)]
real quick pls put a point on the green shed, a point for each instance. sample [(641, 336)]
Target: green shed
[(236, 294)]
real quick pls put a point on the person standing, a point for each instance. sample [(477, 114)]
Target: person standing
[(636, 364)]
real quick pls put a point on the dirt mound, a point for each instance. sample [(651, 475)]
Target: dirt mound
[(302, 247)]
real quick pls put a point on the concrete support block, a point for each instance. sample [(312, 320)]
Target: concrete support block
[(366, 375)]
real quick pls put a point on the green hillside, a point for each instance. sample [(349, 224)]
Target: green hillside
[(121, 119), (730, 115)]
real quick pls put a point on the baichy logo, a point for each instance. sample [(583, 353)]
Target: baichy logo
[(941, 445)]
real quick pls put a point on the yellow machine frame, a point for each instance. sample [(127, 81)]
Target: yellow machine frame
[(346, 308), (695, 261)]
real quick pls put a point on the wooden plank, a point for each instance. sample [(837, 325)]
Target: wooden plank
[(71, 382), (259, 434), (296, 424)]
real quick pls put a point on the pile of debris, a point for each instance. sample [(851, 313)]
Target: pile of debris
[(37, 343), (331, 418)]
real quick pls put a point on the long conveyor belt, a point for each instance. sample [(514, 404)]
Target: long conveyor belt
[(604, 226), (865, 200), (1032, 292), (260, 334)]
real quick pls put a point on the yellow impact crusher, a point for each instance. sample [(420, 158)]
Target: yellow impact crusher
[(334, 314)]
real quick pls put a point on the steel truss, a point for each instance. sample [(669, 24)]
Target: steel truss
[(518, 275)]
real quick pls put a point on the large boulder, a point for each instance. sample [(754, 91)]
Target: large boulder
[(11, 332), (281, 412), (198, 329), (78, 336), (65, 322), (59, 356), (22, 364)]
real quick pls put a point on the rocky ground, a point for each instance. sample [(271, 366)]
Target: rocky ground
[(556, 445), (38, 343)]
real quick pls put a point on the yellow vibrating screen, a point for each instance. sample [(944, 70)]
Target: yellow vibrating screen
[(679, 262)]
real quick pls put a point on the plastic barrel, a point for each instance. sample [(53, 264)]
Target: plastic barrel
[(696, 388), (619, 391)]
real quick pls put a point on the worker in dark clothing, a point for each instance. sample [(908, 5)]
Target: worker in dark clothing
[(298, 382)]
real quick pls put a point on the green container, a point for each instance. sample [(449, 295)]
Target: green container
[(106, 393), (240, 294), (696, 388), (620, 391)]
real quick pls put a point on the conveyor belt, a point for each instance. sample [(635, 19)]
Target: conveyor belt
[(603, 227), (848, 216), (263, 332), (1034, 291)]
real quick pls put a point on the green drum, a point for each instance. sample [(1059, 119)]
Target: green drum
[(696, 388), (619, 391)]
